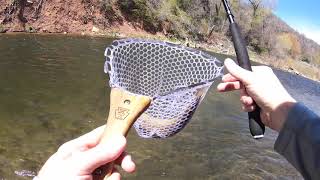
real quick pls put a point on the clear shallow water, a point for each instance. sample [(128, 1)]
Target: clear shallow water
[(53, 89)]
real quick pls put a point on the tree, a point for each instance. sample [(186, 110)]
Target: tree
[(257, 4)]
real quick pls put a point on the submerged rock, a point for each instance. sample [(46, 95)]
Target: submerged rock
[(25, 173)]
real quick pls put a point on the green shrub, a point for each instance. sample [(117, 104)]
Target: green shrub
[(183, 4), (257, 45), (2, 29), (30, 29), (305, 59), (139, 11), (106, 8)]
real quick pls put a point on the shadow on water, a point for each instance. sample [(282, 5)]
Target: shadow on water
[(53, 89)]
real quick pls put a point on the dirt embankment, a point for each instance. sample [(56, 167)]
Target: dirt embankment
[(49, 16), (77, 17), (60, 16)]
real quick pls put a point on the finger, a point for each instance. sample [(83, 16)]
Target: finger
[(81, 143), (91, 159), (243, 75), (244, 96), (229, 78), (229, 86), (261, 68), (90, 139), (115, 175), (246, 100), (126, 163), (249, 108)]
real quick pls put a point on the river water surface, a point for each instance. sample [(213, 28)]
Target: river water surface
[(53, 89)]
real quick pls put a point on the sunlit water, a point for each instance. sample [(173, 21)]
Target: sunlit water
[(53, 89)]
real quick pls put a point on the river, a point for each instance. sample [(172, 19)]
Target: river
[(53, 89)]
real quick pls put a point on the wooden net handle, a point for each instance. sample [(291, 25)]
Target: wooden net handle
[(125, 108)]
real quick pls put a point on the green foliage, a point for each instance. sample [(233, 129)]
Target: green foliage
[(108, 11), (2, 29), (183, 4), (106, 6), (184, 18), (30, 29), (305, 59), (139, 11), (258, 47)]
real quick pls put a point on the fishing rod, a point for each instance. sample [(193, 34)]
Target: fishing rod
[(256, 126)]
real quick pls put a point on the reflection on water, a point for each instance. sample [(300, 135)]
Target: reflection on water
[(53, 89)]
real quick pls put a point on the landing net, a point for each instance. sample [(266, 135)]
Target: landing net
[(176, 77)]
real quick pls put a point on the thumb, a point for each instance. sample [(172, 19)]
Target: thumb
[(235, 70), (101, 154)]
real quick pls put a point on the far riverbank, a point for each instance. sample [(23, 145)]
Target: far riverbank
[(221, 45)]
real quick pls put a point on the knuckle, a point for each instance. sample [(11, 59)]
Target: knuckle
[(243, 100), (267, 69), (64, 147)]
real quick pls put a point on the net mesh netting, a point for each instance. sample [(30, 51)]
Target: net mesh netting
[(176, 77)]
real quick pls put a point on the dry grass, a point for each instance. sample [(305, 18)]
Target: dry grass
[(307, 70), (291, 65)]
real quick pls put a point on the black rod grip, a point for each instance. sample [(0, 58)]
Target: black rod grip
[(256, 126)]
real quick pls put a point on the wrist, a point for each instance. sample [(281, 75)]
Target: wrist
[(280, 113)]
